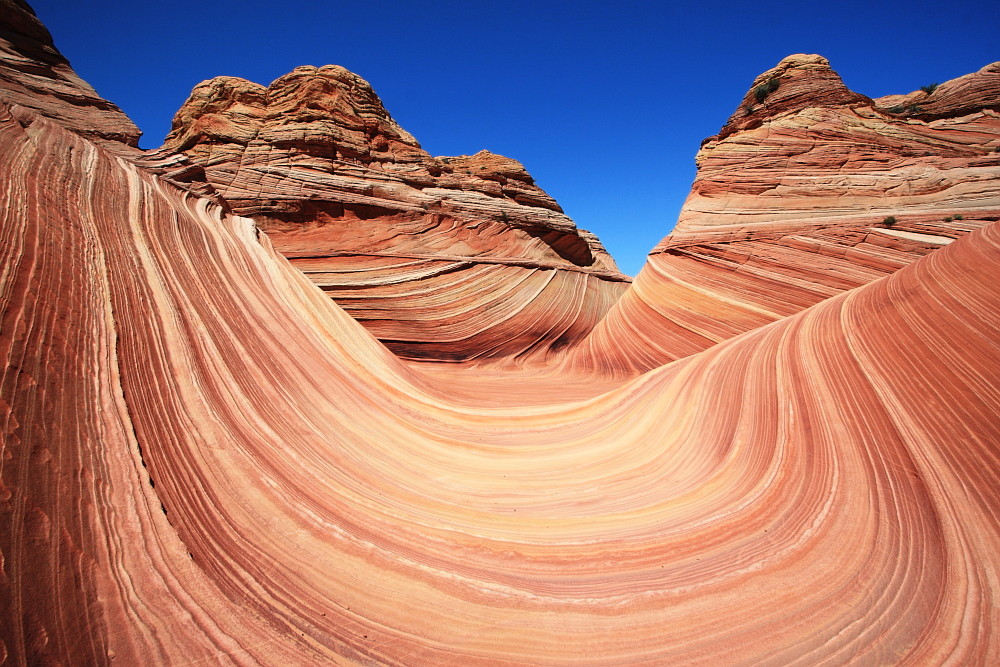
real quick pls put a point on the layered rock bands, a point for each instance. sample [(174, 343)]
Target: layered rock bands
[(445, 258), (206, 460), (809, 190)]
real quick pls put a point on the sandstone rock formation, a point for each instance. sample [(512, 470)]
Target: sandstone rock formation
[(205, 460), (36, 79), (808, 191), (454, 258), (964, 95)]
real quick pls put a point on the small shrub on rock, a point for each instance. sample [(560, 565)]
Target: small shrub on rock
[(765, 89), (889, 220)]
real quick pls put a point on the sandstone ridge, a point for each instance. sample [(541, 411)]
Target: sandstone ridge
[(797, 82), (807, 191), (385, 228)]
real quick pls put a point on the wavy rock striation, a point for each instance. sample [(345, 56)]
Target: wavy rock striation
[(809, 190), (455, 258), (206, 460)]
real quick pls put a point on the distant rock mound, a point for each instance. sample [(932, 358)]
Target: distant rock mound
[(440, 257), (809, 190)]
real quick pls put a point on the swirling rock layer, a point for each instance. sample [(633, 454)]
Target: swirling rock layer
[(205, 460), (455, 258), (808, 191)]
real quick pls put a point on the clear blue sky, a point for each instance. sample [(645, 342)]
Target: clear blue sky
[(604, 102)]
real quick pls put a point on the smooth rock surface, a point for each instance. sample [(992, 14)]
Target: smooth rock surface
[(205, 460)]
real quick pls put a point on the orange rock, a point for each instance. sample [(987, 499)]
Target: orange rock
[(789, 208), (414, 247)]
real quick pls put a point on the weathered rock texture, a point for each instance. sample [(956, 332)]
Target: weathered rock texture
[(964, 95), (205, 460), (789, 208), (454, 258), (36, 79)]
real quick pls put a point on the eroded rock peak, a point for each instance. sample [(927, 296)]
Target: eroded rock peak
[(327, 110), (352, 199), (797, 82), (37, 79)]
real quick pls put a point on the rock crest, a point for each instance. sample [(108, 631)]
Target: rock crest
[(790, 203), (36, 79), (797, 82)]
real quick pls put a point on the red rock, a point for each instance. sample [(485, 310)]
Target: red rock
[(313, 503), (788, 209), (206, 460), (36, 79), (965, 95), (798, 82), (410, 245)]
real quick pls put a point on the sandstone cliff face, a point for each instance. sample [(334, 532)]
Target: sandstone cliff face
[(789, 208), (454, 258)]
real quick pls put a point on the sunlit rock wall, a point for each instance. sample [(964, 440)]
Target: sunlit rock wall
[(805, 193), (442, 258), (205, 460)]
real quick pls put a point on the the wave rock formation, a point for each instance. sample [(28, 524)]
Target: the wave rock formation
[(207, 460)]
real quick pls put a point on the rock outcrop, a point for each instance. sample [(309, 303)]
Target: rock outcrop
[(205, 460), (35, 79), (455, 258), (965, 95), (809, 190)]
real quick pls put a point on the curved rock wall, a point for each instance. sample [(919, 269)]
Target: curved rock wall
[(204, 459), (207, 460)]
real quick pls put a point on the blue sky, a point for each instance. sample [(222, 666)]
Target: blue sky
[(604, 102)]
